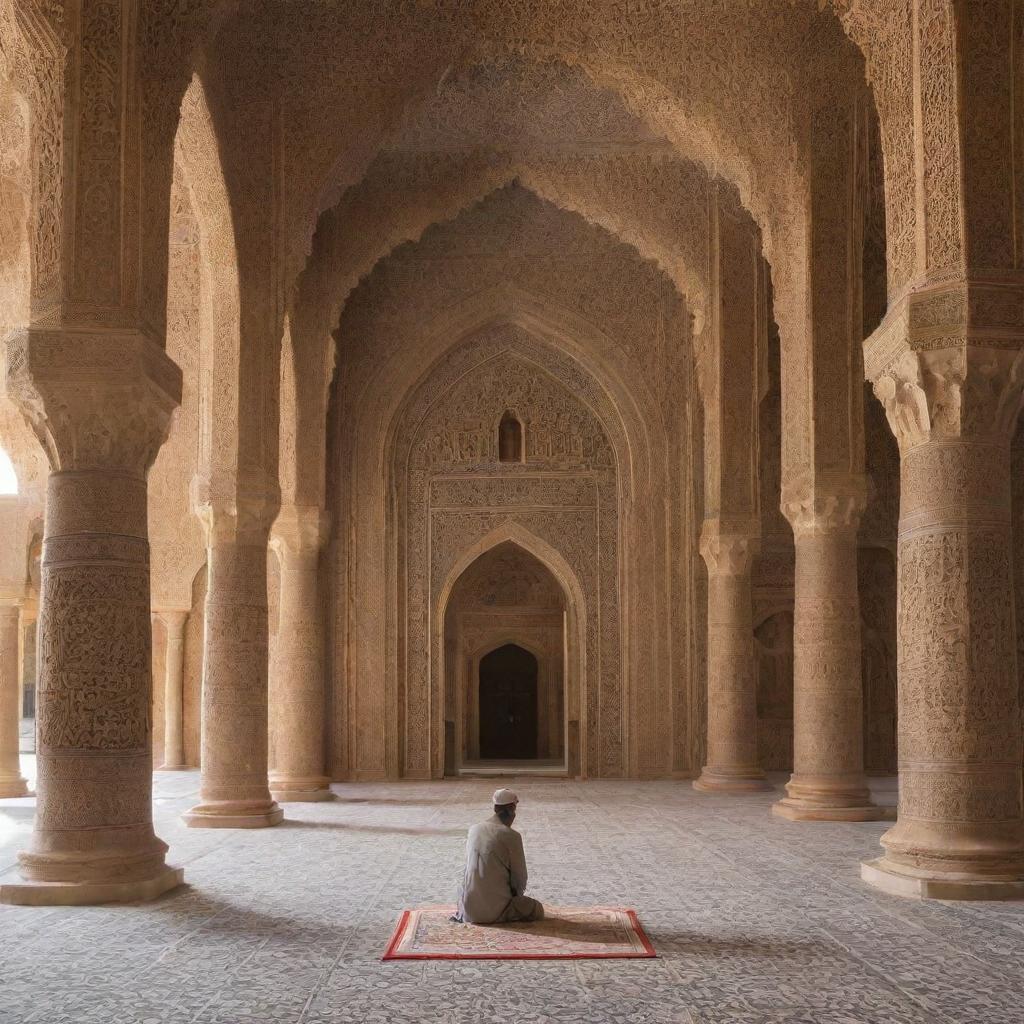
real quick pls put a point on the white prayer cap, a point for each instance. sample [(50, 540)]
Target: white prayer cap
[(504, 796)]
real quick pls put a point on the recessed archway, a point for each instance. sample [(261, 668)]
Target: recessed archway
[(506, 671)]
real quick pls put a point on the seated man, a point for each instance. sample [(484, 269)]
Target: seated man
[(492, 891)]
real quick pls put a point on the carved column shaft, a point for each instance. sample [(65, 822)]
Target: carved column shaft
[(728, 368), (233, 788), (732, 763), (960, 829), (828, 781), (101, 404), (174, 674), (12, 782), (298, 706)]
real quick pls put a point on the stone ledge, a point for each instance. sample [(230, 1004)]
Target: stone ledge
[(795, 811), (80, 894), (199, 818), (709, 782), (881, 875), (301, 796)]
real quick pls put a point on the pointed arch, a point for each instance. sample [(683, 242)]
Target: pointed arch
[(197, 148), (574, 681)]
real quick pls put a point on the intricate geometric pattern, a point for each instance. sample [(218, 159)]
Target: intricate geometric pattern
[(566, 933), (756, 920)]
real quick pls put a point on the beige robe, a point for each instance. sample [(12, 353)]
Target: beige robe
[(495, 879)]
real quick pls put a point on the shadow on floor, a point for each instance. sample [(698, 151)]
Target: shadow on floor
[(341, 826), (340, 800)]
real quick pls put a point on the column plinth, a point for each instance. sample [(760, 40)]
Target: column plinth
[(174, 674), (733, 765), (959, 833), (298, 777), (100, 403), (233, 787), (828, 781), (12, 782)]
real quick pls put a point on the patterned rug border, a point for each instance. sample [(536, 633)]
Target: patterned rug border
[(647, 953)]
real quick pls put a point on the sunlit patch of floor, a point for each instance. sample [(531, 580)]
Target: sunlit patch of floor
[(756, 920)]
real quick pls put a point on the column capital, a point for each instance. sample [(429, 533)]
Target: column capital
[(729, 547), (300, 530), (174, 619), (96, 399), (243, 519), (825, 505), (947, 363)]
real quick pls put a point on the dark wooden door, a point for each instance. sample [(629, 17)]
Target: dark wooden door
[(508, 704)]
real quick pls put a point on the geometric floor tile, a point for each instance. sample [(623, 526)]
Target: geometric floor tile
[(756, 920)]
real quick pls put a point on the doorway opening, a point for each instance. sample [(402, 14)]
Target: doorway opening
[(508, 705)]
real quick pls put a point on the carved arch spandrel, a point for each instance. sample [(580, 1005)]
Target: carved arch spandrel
[(728, 83), (334, 271)]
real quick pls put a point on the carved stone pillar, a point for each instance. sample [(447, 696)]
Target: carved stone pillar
[(960, 828), (233, 788), (174, 674), (100, 402), (12, 782), (828, 781), (728, 374), (732, 677), (298, 706)]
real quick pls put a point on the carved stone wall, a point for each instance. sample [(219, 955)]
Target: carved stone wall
[(509, 330)]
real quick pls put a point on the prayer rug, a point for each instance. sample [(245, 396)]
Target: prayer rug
[(566, 933)]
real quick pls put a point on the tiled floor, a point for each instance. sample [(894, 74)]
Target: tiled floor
[(756, 920)]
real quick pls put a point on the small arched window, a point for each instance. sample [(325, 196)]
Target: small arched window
[(8, 478), (510, 439)]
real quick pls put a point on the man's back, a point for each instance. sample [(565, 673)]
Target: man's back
[(495, 871)]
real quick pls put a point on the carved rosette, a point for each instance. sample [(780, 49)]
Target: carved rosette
[(233, 786), (828, 781), (732, 764), (101, 403), (949, 367), (297, 689)]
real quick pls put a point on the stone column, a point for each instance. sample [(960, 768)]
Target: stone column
[(728, 376), (12, 782), (828, 781), (960, 827), (174, 673), (299, 710), (100, 402), (732, 677), (233, 784)]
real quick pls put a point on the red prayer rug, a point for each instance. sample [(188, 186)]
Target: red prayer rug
[(566, 933)]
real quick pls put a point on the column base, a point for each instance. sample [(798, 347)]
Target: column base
[(228, 814), (824, 798), (173, 768), (16, 787), (302, 789), (302, 796), (899, 880), (79, 894), (795, 810), (711, 781)]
